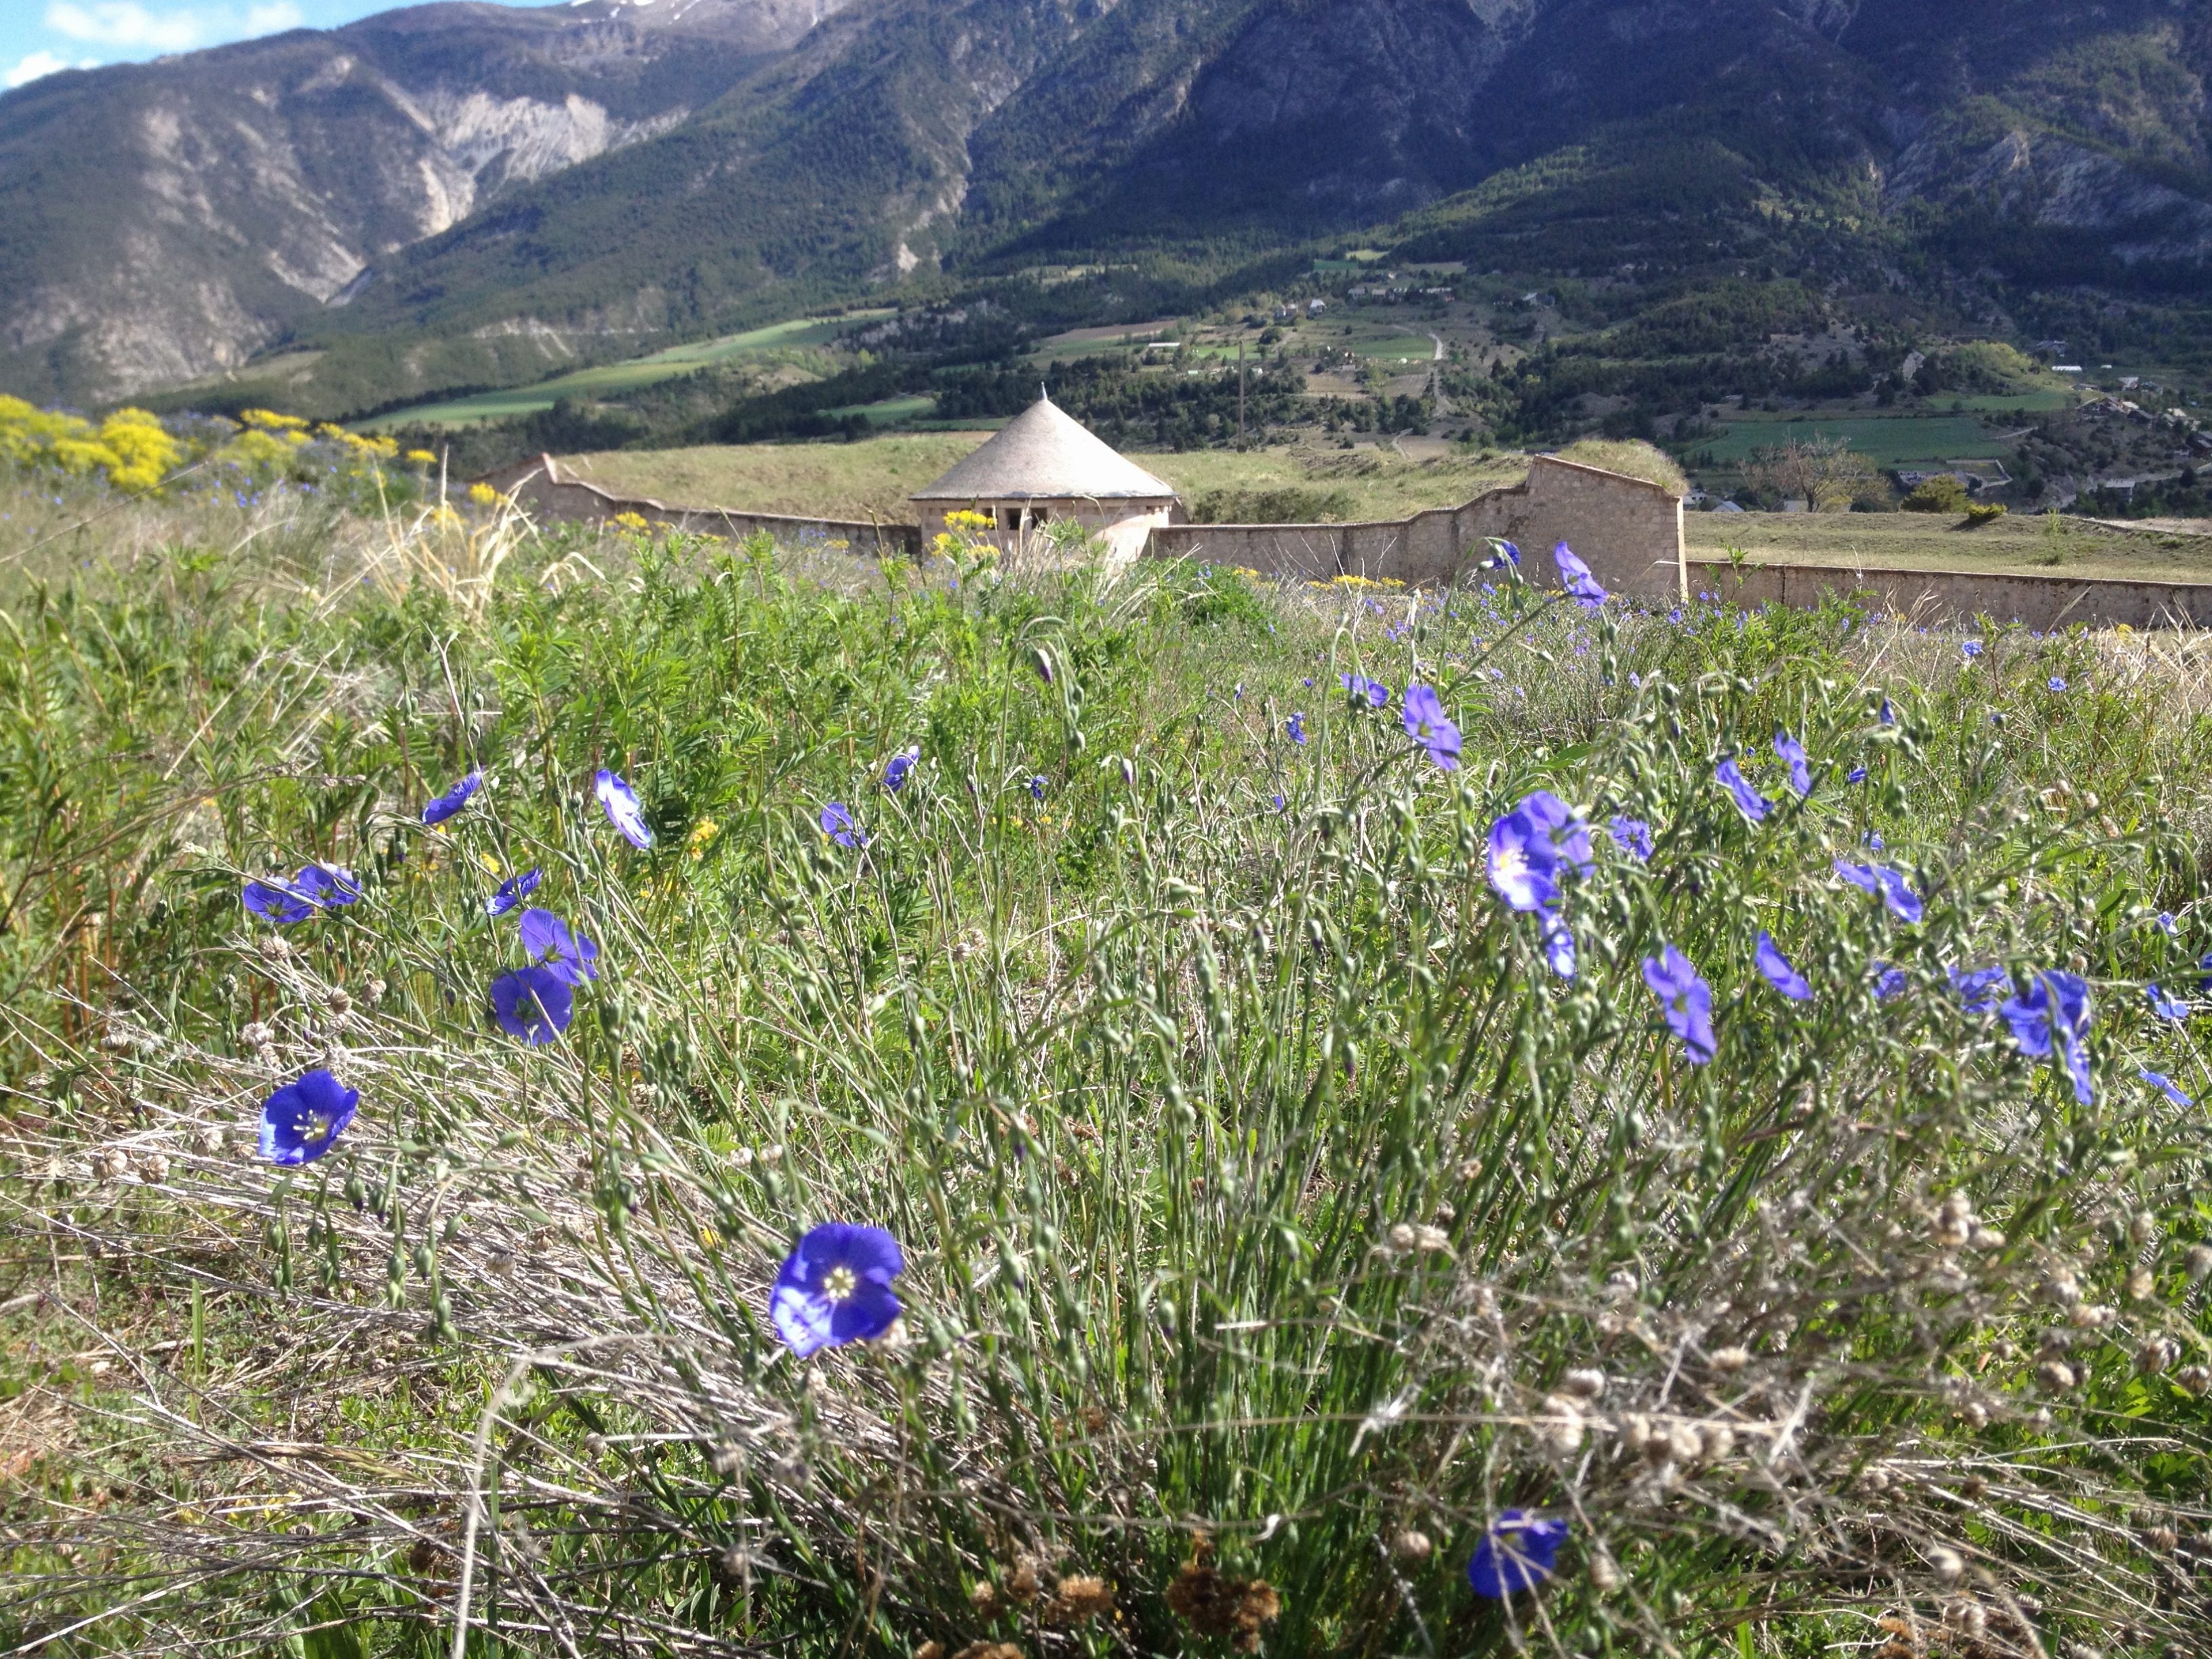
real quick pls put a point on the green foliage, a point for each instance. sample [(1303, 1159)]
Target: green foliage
[(1281, 504), (1941, 494)]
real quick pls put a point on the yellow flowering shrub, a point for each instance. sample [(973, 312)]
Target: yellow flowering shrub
[(144, 453), (421, 458), (267, 420), (631, 521), (482, 495), (130, 448)]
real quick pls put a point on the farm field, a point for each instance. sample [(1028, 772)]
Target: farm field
[(876, 475), (794, 334), (1887, 441), (2028, 544), (608, 1070)]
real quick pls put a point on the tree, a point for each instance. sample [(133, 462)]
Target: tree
[(1826, 474)]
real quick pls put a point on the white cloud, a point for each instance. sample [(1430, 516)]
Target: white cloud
[(269, 18), (38, 66), (125, 23)]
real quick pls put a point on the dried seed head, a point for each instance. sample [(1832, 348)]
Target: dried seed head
[(1430, 1239), (1683, 1443), (372, 994), (2143, 1228), (2142, 1284), (2063, 1287), (1975, 1414), (1402, 1236), (2163, 1540), (2155, 1354), (1973, 1488), (1022, 1584), (1412, 1546), (930, 1650), (339, 1002), (1947, 1565), (276, 948), (1078, 1598), (1588, 1384), (738, 1561), (1728, 1361), (2198, 1261), (1604, 1572), (984, 1598), (154, 1168), (2088, 1317), (208, 1138), (109, 1163), (255, 1034), (726, 1462), (1970, 1619), (2055, 1375), (1560, 1427), (2197, 1379), (1716, 1443)]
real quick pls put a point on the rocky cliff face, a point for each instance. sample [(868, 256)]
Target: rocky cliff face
[(162, 221)]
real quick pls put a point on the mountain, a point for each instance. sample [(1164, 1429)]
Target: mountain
[(609, 174), (168, 220)]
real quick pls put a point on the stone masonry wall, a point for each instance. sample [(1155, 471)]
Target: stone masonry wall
[(540, 486), (1627, 531), (2042, 603)]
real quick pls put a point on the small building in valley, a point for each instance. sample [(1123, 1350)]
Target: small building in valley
[(1043, 466)]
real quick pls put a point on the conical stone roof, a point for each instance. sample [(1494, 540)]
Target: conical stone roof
[(1041, 454)]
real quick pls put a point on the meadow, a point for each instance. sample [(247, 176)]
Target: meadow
[(1385, 1123)]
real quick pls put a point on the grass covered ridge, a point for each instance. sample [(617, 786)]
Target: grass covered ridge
[(1275, 1217)]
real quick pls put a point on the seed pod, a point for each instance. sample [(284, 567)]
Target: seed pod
[(2143, 1228), (2196, 1379), (1728, 1361), (1947, 1565), (1412, 1546), (1716, 1443), (2141, 1284), (1584, 1384), (2199, 1261), (2055, 1375), (2155, 1354)]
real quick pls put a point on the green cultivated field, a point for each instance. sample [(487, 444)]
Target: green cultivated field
[(795, 335), (2027, 544), (1436, 1177), (1886, 441)]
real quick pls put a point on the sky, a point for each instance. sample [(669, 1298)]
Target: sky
[(37, 37)]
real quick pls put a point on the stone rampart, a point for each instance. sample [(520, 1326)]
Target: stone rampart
[(540, 486), (2042, 603), (1628, 530)]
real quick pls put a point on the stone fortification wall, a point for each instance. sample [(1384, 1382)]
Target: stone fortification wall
[(547, 493), (1629, 532), (2042, 603)]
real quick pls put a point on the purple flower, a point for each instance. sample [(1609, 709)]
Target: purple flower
[(1888, 982), (2057, 683), (513, 891), (453, 799), (1374, 691), (1427, 724), (1518, 1552), (2166, 1085), (1558, 943), (1856, 775), (1896, 893), (1036, 787), (1752, 805), (623, 811), (1980, 991), (1507, 553), (1972, 648), (1778, 970), (1575, 576), (2167, 924), (1685, 999), (837, 824), (277, 902), (1295, 728), (1281, 806), (1792, 754), (894, 775), (546, 940), (1888, 714), (2164, 1006), (301, 1121), (835, 1288), (534, 1003), (1632, 836), (326, 885), (2054, 1014), (1531, 846)]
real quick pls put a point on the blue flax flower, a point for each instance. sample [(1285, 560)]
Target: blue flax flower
[(1888, 982), (1778, 971), (1752, 805), (1972, 648), (534, 1003), (547, 941), (1428, 726), (2166, 1085), (1685, 999), (277, 902), (1896, 892), (1507, 554), (453, 799), (835, 1288), (301, 1121), (1295, 728), (903, 763), (837, 824), (1888, 714), (2164, 1006), (1518, 1552), (2054, 1015), (1558, 944), (1036, 787), (513, 891), (1532, 846), (2167, 924), (1856, 775), (2057, 683), (327, 884), (2204, 983), (1792, 754), (1632, 836), (1981, 990), (1375, 693), (623, 811), (1575, 576)]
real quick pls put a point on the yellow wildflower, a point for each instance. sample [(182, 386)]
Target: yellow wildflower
[(421, 458), (482, 495), (701, 832)]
